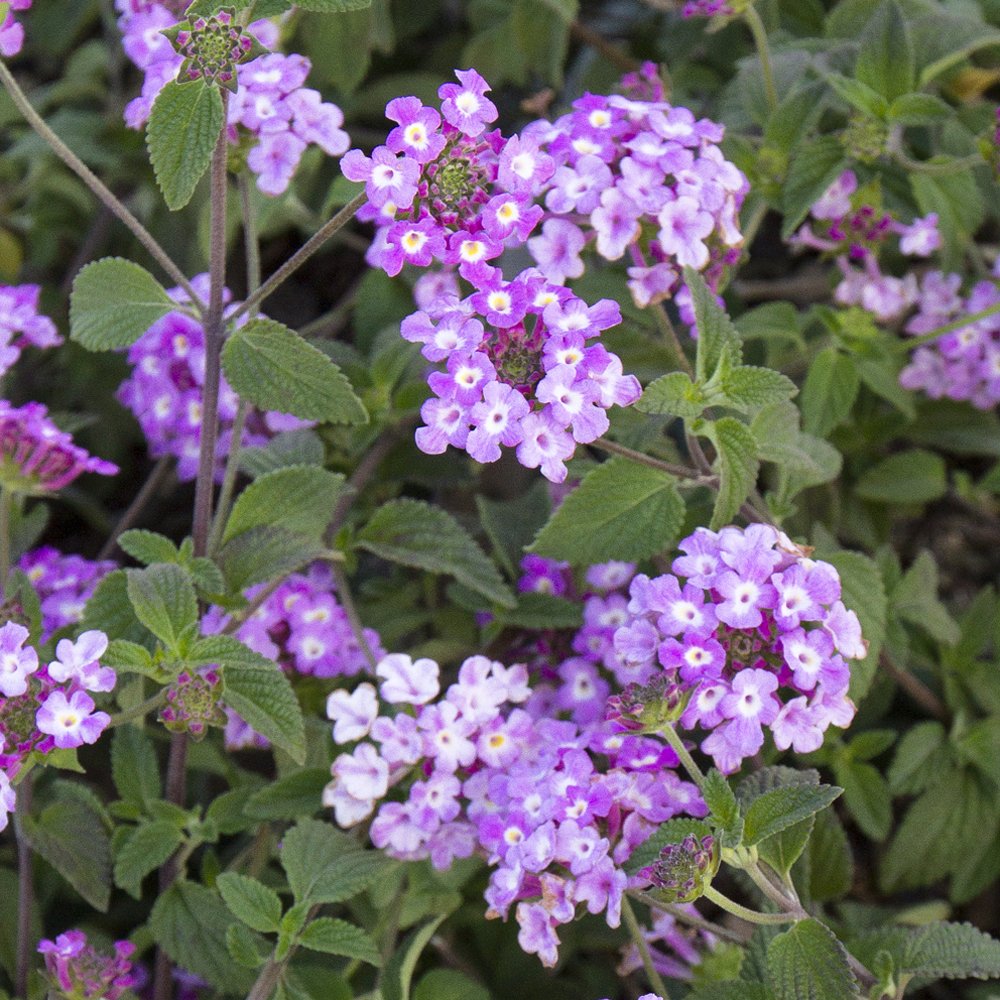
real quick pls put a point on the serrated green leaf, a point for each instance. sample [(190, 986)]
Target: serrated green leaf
[(738, 465), (620, 510), (71, 836), (542, 611), (134, 768), (164, 600), (110, 610), (859, 94), (324, 865), (721, 800), (257, 689), (908, 477), (915, 600), (275, 369), (397, 975), (808, 460), (338, 937), (831, 866), (250, 901), (672, 832), (512, 524), (147, 546), (867, 797), (294, 795), (885, 59), (190, 923), (829, 392), (449, 984), (952, 951), (673, 395), (266, 553), (184, 126), (298, 447), (807, 962), (417, 534), (245, 947), (921, 756), (113, 303), (718, 339), (148, 846), (747, 388), (332, 6), (300, 499), (815, 166), (779, 808), (130, 658), (919, 109)]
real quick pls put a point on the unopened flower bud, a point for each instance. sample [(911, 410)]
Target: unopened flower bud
[(684, 870)]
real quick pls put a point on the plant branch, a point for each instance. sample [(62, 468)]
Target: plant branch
[(915, 688), (677, 745), (149, 489), (301, 255), (744, 913), (347, 602), (957, 324), (6, 506), (138, 711), (692, 918), (759, 32), (681, 471), (670, 335), (614, 55), (25, 888), (635, 931), (102, 192)]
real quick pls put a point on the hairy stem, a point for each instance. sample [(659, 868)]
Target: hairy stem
[(635, 931), (132, 513), (681, 471), (744, 913), (670, 335), (301, 255), (689, 917), (677, 745), (759, 32), (139, 711), (102, 192), (229, 478), (25, 888), (347, 601), (957, 324)]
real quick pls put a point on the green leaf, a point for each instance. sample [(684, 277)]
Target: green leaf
[(294, 795), (250, 901), (245, 947), (738, 465), (190, 923), (184, 127), (673, 395), (807, 962), (807, 459), (831, 866), (816, 165), (952, 951), (919, 109), (71, 836), (275, 369), (672, 832), (718, 339), (338, 937), (397, 976), (829, 392), (164, 600), (299, 447), (885, 60), (148, 846), (332, 6), (620, 510), (110, 610), (908, 477), (266, 553), (512, 524), (324, 865), (959, 205), (920, 757), (147, 546), (449, 984), (747, 388), (859, 94), (134, 768), (300, 498), (257, 689), (779, 808), (113, 303), (915, 600), (721, 801), (542, 611), (416, 534), (867, 796)]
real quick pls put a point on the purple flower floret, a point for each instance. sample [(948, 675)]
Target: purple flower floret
[(755, 618), (11, 30), (76, 969)]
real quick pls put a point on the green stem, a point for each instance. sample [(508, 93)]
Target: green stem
[(744, 913), (25, 889), (153, 248), (228, 478), (138, 711), (681, 471), (670, 335), (6, 507), (347, 601), (759, 32), (677, 745), (301, 255), (956, 324), (643, 945), (945, 169), (690, 917)]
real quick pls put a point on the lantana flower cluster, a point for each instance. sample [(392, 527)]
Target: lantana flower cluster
[(555, 810), (77, 970), (745, 620), (166, 385), (272, 112), (64, 584), (303, 627), (21, 324), (11, 30), (963, 364), (36, 456), (47, 707), (848, 226)]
